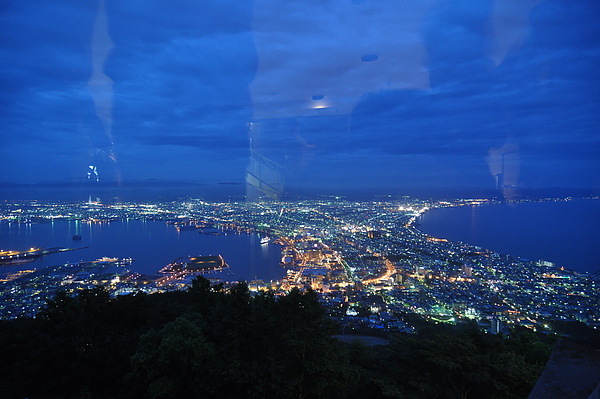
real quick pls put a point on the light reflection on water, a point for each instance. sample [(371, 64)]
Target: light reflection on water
[(151, 244), (565, 233)]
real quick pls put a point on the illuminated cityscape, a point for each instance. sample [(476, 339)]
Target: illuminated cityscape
[(367, 260), (265, 199)]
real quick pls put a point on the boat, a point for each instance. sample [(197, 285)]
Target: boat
[(265, 240), (16, 261)]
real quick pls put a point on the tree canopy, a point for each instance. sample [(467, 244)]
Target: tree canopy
[(208, 342)]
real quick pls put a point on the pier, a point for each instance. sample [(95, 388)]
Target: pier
[(13, 257)]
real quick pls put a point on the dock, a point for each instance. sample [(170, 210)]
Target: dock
[(14, 257)]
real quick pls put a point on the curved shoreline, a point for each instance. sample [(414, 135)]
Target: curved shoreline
[(563, 247), (132, 242)]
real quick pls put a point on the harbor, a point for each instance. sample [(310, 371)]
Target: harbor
[(153, 244), (16, 257)]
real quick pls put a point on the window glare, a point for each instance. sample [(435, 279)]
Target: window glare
[(265, 98)]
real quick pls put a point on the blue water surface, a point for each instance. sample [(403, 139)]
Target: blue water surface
[(566, 232), (151, 244)]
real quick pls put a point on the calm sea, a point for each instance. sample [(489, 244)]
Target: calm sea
[(152, 245), (566, 233)]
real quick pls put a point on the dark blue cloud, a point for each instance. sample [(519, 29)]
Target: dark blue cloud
[(444, 85)]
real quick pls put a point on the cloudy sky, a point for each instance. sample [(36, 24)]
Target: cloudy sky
[(328, 93)]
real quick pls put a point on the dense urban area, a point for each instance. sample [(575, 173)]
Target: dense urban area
[(366, 260)]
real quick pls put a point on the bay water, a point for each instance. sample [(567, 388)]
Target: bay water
[(564, 232), (152, 245)]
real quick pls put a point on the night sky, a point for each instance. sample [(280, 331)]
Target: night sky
[(321, 94)]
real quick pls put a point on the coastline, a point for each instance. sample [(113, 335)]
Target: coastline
[(521, 222), (153, 245)]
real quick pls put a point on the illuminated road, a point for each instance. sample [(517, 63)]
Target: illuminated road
[(390, 270)]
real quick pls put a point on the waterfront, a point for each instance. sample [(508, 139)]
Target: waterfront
[(152, 245), (563, 232), (330, 245)]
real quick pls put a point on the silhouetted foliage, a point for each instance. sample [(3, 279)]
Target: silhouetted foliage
[(210, 343)]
